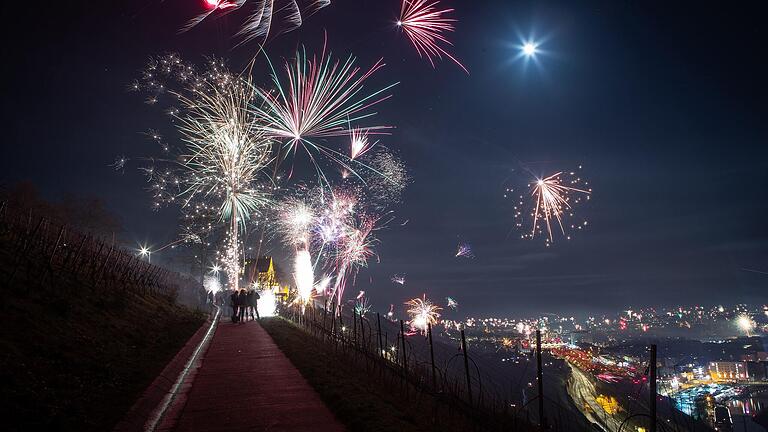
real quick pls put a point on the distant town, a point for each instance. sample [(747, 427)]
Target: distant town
[(712, 361)]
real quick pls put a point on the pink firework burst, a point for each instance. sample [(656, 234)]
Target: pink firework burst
[(425, 24)]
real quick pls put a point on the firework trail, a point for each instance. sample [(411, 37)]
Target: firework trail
[(464, 250), (319, 99), (352, 252), (398, 279), (422, 312), (259, 23), (453, 304), (322, 287), (391, 313), (216, 174), (553, 198), (425, 24), (303, 275)]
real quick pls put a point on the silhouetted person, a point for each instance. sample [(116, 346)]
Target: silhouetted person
[(254, 300), (242, 304), (233, 302), (249, 301), (223, 299)]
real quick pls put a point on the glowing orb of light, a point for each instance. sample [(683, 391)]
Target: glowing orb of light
[(529, 49), (267, 303), (303, 275)]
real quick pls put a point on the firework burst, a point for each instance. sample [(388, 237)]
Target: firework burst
[(453, 304), (212, 284), (362, 306), (359, 143), (464, 250), (745, 323), (216, 176), (259, 24), (553, 199), (425, 24), (303, 275), (398, 279), (295, 220), (320, 98), (386, 179), (422, 313)]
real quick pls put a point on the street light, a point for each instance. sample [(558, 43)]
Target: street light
[(144, 251)]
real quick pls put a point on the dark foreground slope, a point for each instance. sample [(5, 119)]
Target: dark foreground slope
[(75, 356), (364, 398)]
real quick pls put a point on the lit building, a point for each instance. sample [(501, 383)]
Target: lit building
[(264, 273), (728, 371)]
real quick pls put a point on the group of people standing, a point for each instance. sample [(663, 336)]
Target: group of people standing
[(239, 305)]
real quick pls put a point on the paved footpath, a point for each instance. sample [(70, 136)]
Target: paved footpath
[(245, 383)]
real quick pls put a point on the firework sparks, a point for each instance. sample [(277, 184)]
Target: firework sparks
[(303, 275), (119, 163), (422, 313), (388, 177), (553, 200), (398, 279), (745, 323), (362, 306), (353, 252), (260, 22), (453, 304), (295, 220), (425, 24), (359, 143), (212, 284), (215, 176), (464, 250), (322, 286), (321, 98)]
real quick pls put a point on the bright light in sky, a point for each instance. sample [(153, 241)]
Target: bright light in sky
[(145, 252), (745, 323), (529, 49)]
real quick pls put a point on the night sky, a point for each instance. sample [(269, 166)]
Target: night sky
[(662, 103)]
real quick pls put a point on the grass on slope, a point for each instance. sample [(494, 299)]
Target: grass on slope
[(74, 358), (358, 401)]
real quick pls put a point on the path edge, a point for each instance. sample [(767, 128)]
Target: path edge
[(142, 410)]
